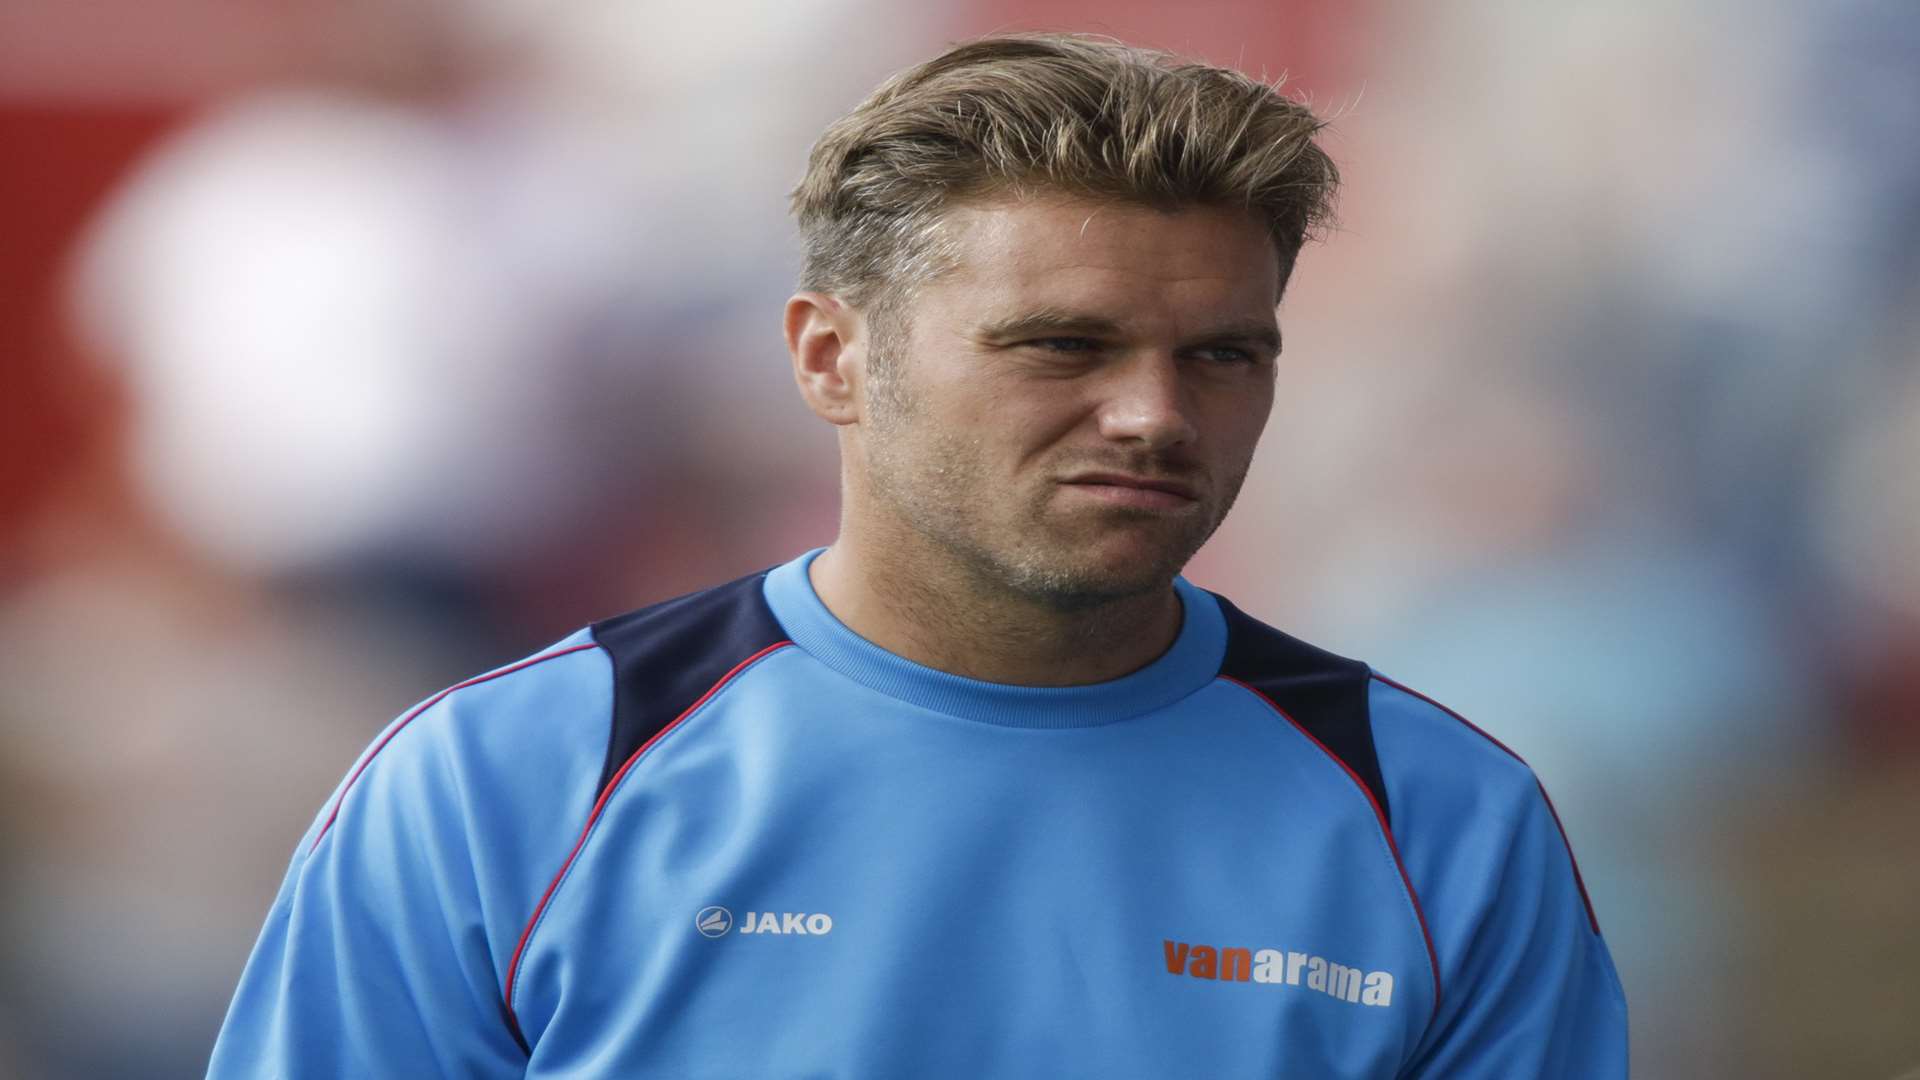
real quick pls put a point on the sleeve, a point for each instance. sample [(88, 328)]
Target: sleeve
[(1528, 988), (384, 952), (1531, 990)]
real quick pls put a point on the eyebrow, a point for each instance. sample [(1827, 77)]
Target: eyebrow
[(1054, 323)]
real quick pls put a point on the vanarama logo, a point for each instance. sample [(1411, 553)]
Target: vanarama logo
[(1277, 968)]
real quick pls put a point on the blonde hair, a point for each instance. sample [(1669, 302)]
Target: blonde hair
[(1019, 114)]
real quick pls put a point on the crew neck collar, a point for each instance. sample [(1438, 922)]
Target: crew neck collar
[(1191, 663)]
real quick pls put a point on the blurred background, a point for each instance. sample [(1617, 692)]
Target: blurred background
[(351, 347)]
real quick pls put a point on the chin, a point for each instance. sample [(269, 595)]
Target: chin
[(1069, 582)]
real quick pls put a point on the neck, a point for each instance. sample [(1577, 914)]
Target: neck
[(936, 613)]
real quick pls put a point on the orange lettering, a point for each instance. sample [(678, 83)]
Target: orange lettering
[(1204, 962), (1176, 956), (1236, 964)]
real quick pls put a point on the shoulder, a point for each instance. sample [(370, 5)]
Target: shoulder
[(1389, 735), (1323, 694), (670, 658), (493, 733), (1427, 745), (1468, 800), (1449, 793), (568, 715), (1462, 787)]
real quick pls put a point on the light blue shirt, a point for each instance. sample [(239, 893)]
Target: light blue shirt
[(727, 837)]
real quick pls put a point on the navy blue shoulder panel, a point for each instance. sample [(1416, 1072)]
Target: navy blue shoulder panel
[(667, 656), (1323, 693)]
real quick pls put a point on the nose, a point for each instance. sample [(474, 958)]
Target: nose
[(1143, 404)]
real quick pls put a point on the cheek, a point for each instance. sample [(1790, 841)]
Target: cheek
[(1017, 422), (1248, 430), (1237, 416)]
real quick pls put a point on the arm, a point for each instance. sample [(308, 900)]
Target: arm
[(1531, 990), (385, 950), (372, 962), (1527, 986)]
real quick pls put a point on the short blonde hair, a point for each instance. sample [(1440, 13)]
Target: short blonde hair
[(1057, 112)]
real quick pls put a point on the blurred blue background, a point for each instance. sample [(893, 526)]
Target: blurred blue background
[(354, 347)]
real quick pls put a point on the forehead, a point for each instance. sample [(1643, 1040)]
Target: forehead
[(1118, 258)]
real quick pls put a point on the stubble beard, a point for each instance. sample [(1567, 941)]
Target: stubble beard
[(936, 485)]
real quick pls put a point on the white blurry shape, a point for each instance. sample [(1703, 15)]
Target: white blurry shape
[(346, 322), (707, 111), (710, 108), (339, 319), (699, 44)]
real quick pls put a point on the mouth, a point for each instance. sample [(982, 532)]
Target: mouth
[(1146, 493)]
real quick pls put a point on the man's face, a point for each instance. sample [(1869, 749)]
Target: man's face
[(1070, 409)]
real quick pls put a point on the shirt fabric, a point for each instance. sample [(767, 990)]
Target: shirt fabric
[(725, 836)]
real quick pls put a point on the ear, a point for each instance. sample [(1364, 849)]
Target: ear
[(827, 340)]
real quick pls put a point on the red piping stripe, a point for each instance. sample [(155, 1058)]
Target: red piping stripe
[(423, 707), (1433, 957), (593, 816), (1579, 881)]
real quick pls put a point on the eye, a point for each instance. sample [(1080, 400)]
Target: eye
[(1226, 354), (1064, 344)]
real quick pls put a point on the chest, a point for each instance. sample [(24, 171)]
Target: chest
[(775, 903)]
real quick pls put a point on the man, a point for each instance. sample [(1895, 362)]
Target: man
[(983, 789)]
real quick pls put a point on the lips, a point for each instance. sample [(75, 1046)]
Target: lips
[(1143, 483)]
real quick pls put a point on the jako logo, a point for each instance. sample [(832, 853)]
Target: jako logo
[(786, 922), (713, 921), (1282, 969)]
